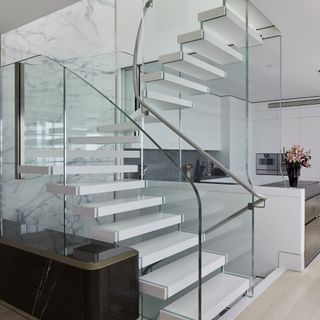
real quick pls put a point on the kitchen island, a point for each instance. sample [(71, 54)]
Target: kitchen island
[(312, 188), (312, 215)]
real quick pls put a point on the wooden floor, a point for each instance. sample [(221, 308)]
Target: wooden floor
[(294, 296), (6, 314)]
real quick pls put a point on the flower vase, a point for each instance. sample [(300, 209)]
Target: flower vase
[(293, 175)]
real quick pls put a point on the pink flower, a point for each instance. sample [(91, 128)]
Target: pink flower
[(297, 157)]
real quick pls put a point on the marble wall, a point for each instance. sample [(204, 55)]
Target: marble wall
[(81, 37)]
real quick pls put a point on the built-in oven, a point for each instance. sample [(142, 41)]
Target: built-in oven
[(268, 164)]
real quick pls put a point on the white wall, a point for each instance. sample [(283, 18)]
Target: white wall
[(265, 137), (299, 125), (279, 230), (127, 24), (233, 135), (167, 20), (202, 124)]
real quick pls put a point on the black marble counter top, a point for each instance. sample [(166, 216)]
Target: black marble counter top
[(80, 252), (312, 188)]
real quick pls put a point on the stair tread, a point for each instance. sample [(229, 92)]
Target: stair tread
[(208, 46), (174, 83), (126, 126), (120, 201), (87, 169), (178, 275), (217, 294), (229, 26), (167, 102), (129, 228), (190, 65), (59, 152), (234, 243), (93, 188), (156, 249), (104, 139), (115, 206), (118, 127)]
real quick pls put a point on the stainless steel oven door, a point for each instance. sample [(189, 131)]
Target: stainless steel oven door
[(267, 163)]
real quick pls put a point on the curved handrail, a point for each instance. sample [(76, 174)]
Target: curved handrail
[(131, 120), (169, 125), (183, 173)]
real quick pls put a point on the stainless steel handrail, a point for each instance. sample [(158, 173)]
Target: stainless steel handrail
[(169, 125), (233, 216)]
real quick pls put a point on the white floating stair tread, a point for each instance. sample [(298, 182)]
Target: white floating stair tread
[(119, 127), (104, 140), (101, 209), (166, 102), (206, 45), (174, 277), (61, 130), (147, 118), (187, 64), (150, 119), (218, 293), (87, 189), (174, 83), (57, 170), (230, 26), (58, 152), (130, 228), (232, 243), (157, 249)]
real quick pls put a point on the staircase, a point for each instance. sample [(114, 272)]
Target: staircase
[(178, 247), (123, 209)]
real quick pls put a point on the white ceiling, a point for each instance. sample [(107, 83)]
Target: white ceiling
[(15, 13), (299, 22)]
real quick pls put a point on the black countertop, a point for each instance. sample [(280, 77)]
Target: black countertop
[(83, 253), (312, 188)]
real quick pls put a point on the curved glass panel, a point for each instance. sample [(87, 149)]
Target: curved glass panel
[(194, 75), (103, 177)]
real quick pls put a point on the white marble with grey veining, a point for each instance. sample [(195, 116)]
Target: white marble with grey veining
[(81, 37)]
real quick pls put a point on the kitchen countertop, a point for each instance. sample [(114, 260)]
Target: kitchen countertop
[(219, 180), (312, 188)]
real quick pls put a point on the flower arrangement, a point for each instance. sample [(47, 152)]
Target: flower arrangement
[(295, 158)]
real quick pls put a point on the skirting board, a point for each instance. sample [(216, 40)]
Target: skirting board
[(291, 261), (239, 307)]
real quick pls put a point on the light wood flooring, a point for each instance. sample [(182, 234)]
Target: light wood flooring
[(6, 314), (294, 296)]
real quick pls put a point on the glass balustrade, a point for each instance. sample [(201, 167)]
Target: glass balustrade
[(167, 175)]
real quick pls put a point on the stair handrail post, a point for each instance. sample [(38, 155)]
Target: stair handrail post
[(65, 145)]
